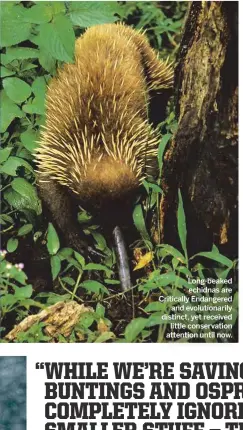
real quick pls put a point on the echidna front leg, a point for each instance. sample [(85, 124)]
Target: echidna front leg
[(62, 208)]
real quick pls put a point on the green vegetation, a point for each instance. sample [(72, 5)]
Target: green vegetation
[(36, 38)]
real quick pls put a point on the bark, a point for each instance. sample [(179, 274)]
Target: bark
[(202, 158)]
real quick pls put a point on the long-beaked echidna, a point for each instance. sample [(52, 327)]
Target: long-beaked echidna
[(98, 142)]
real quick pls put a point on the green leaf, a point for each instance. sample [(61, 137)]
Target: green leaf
[(165, 139), (154, 187), (68, 280), (87, 13), (58, 38), (12, 164), (155, 307), (100, 240), (55, 266), (95, 266), (38, 14), (16, 89), (8, 111), (215, 256), (28, 192), (181, 223), (16, 200), (19, 54), (25, 229), (80, 259), (35, 106), (12, 244), (134, 328), (4, 153), (53, 243), (139, 222), (14, 30), (170, 250), (47, 61), (95, 287), (39, 87), (29, 139), (6, 72), (57, 7), (156, 319), (23, 292), (112, 281), (104, 337), (100, 310), (65, 253)]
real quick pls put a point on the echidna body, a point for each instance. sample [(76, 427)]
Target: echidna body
[(98, 142)]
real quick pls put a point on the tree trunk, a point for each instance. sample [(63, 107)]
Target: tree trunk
[(202, 158)]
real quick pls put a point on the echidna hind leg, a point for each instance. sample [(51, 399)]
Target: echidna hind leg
[(159, 73), (58, 202)]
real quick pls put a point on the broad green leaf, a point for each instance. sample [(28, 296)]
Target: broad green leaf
[(13, 29), (139, 222), (95, 287), (23, 292), (134, 328), (28, 192), (24, 188), (25, 229), (53, 243), (39, 13), (7, 301), (16, 89), (19, 54), (12, 164), (181, 223), (58, 38), (47, 61), (57, 7), (6, 72), (29, 139), (12, 244), (35, 106), (87, 13), (55, 266), (8, 111), (4, 153), (39, 87), (18, 202), (165, 139)]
